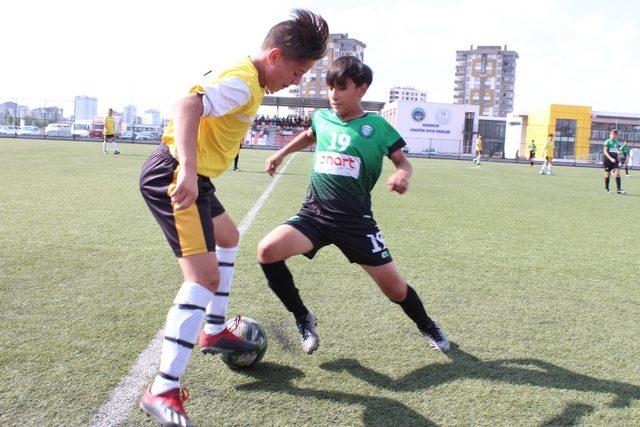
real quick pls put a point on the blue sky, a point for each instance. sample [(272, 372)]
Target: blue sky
[(149, 53)]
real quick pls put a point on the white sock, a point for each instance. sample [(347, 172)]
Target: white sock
[(180, 332), (543, 165), (104, 147), (548, 168), (115, 145), (217, 308)]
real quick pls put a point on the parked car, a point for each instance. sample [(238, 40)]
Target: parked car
[(127, 134), (29, 130), (80, 128), (147, 135), (431, 151), (8, 130), (58, 129)]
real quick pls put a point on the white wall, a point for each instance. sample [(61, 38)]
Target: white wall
[(429, 124), (513, 137)]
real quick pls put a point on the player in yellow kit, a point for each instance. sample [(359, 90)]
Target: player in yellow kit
[(478, 156), (200, 143), (547, 153), (109, 133)]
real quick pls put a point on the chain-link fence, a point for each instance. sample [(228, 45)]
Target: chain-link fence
[(74, 119), (502, 140)]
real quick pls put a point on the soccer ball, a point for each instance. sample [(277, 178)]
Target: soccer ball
[(250, 330)]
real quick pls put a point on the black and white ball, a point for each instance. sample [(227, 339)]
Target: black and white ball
[(250, 330)]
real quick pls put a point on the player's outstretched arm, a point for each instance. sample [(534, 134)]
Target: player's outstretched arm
[(187, 114), (303, 140), (399, 180)]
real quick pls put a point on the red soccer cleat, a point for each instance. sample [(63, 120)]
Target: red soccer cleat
[(167, 407), (224, 342)]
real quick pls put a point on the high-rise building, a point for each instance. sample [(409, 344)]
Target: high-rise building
[(85, 107), (406, 93), (152, 117), (49, 114), (129, 116), (485, 76), (312, 84)]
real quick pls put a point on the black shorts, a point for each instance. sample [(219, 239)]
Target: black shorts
[(532, 154), (360, 242), (608, 164), (109, 137), (623, 159), (189, 231)]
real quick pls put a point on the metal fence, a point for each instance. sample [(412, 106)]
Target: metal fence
[(53, 120)]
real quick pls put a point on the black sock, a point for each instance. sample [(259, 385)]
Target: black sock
[(281, 283), (606, 182), (618, 182), (413, 308), (626, 170)]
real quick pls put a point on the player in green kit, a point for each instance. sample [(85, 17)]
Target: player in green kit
[(610, 162), (351, 145), (532, 152), (624, 156)]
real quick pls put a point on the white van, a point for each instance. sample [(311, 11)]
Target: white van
[(58, 129), (80, 128)]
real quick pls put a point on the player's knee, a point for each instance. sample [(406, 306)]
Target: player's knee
[(229, 239), (396, 292), (267, 252), (210, 281)]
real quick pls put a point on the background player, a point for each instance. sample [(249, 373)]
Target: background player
[(109, 133), (347, 163), (547, 153), (610, 161), (478, 156), (532, 152), (624, 156)]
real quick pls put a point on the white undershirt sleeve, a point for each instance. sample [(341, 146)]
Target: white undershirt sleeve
[(225, 96)]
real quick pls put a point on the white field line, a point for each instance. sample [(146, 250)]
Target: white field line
[(117, 408)]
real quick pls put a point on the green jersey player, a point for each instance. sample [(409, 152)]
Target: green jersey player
[(610, 162), (351, 146), (624, 156)]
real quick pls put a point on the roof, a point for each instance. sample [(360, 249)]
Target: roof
[(284, 101)]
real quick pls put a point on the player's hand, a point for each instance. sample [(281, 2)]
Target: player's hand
[(186, 190), (398, 182), (272, 163)]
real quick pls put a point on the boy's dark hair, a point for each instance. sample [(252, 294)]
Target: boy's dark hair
[(303, 37), (550, 135), (348, 67), (614, 131)]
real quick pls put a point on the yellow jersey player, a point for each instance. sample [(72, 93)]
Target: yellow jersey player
[(547, 153), (200, 143), (109, 133), (478, 156)]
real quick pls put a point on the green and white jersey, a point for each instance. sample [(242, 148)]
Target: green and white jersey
[(613, 145), (347, 163), (532, 147), (624, 149)]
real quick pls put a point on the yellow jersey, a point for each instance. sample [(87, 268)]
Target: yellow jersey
[(231, 100), (478, 145), (548, 149), (109, 126)]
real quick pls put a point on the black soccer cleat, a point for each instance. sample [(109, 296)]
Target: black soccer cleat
[(436, 338)]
